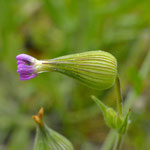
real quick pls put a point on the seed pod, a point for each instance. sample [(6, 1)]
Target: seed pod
[(97, 69)]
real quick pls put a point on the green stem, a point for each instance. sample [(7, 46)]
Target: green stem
[(109, 141), (118, 142), (119, 96)]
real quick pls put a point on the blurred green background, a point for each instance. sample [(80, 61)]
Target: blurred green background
[(49, 28)]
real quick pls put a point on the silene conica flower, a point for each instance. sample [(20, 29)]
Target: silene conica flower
[(96, 69)]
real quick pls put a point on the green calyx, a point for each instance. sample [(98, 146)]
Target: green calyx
[(96, 69), (112, 118)]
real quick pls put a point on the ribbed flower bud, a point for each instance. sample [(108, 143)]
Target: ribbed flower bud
[(97, 69)]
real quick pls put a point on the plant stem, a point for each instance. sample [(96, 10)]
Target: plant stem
[(131, 98), (109, 141), (119, 108), (119, 96), (118, 142)]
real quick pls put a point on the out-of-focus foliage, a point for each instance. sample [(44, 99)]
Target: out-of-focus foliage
[(51, 28)]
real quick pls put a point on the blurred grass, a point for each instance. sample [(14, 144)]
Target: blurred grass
[(51, 28)]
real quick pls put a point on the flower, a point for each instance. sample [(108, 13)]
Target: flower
[(26, 67), (96, 69)]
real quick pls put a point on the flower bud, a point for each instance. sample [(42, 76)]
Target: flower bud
[(112, 118), (48, 139)]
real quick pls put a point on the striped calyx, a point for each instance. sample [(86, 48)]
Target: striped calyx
[(96, 69)]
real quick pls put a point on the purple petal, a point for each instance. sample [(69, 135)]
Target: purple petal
[(23, 66), (24, 75), (26, 66), (24, 57), (20, 62), (24, 71), (28, 77)]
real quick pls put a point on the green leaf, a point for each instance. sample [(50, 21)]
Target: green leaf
[(125, 124), (100, 104)]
